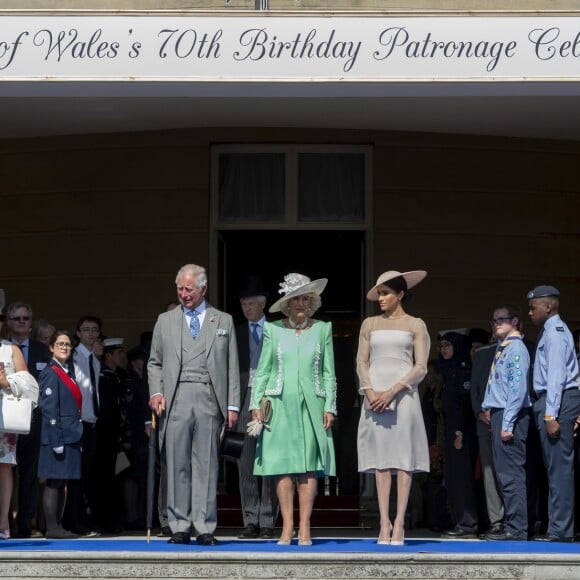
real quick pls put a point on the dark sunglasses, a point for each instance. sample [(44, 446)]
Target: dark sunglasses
[(20, 318)]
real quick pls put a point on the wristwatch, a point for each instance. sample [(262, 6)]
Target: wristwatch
[(549, 418)]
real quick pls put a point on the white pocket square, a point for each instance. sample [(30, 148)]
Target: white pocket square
[(221, 332)]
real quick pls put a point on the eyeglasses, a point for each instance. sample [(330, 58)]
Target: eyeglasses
[(445, 345), (20, 318), (63, 344), (89, 329), (501, 320)]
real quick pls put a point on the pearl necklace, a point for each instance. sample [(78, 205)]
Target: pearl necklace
[(299, 326)]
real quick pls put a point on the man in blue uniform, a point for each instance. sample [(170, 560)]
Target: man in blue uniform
[(556, 388), (508, 401)]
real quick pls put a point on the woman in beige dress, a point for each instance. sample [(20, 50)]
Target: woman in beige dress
[(391, 361)]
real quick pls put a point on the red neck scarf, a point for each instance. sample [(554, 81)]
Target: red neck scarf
[(70, 384)]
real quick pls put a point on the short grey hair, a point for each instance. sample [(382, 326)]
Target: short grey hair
[(17, 306), (198, 272)]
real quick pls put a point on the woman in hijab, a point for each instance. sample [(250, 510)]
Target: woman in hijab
[(459, 434)]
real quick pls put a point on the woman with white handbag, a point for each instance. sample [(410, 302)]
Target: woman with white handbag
[(14, 380)]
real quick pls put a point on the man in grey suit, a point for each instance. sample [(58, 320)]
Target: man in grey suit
[(258, 494), (195, 389)]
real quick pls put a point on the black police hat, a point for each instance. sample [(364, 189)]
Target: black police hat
[(543, 291)]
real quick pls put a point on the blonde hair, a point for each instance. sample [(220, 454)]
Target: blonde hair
[(315, 304)]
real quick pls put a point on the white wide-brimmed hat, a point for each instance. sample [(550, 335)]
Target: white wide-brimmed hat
[(296, 285), (412, 278)]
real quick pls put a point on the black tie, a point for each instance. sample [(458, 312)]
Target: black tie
[(93, 387)]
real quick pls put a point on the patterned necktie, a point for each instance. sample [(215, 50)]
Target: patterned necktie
[(194, 324), (93, 387), (255, 334)]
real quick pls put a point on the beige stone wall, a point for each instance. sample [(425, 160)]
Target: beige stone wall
[(489, 218), (101, 223)]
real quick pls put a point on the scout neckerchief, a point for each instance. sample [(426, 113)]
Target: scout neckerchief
[(515, 336), (70, 384)]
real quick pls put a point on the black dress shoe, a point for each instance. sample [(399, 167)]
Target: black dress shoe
[(250, 532), (266, 534), (552, 538), (165, 532), (84, 532), (60, 534), (503, 536), (180, 538), (459, 534), (495, 529), (206, 540)]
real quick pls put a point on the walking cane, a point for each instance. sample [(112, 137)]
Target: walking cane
[(151, 473)]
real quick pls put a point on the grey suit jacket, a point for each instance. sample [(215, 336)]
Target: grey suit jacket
[(164, 366)]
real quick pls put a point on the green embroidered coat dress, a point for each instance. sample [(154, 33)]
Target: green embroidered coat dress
[(296, 372)]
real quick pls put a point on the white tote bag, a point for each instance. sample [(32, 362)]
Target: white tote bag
[(15, 414)]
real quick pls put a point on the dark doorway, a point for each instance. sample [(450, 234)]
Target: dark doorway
[(340, 257)]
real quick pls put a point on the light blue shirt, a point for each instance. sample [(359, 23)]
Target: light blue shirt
[(507, 387), (555, 365), (200, 314)]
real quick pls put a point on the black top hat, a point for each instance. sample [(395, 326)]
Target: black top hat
[(232, 443), (253, 287)]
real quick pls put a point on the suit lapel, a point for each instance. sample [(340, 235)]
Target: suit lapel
[(176, 329), (211, 324)]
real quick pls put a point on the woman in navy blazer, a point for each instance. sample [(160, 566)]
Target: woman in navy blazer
[(62, 430)]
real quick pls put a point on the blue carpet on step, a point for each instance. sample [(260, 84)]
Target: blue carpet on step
[(341, 545)]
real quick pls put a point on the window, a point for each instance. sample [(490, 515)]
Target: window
[(293, 186)]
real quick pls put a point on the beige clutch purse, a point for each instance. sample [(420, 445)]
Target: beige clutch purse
[(390, 407), (254, 427)]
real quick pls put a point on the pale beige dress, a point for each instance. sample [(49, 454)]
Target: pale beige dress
[(393, 351)]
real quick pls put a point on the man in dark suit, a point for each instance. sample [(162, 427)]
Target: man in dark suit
[(194, 385), (482, 361), (36, 356), (258, 494)]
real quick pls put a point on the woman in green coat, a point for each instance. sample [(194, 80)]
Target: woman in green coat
[(296, 373)]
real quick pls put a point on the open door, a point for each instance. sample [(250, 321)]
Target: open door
[(340, 257)]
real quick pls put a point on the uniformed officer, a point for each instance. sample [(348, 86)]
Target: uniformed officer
[(508, 400), (556, 387)]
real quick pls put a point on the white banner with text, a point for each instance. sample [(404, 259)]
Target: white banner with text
[(287, 49)]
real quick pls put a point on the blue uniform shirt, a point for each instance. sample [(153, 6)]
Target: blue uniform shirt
[(507, 387), (555, 366)]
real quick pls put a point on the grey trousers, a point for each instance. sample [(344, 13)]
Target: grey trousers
[(258, 494), (192, 454)]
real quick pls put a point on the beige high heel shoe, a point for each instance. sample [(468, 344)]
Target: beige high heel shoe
[(386, 542), (286, 542), (399, 540)]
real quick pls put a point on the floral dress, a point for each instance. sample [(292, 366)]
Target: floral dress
[(7, 440)]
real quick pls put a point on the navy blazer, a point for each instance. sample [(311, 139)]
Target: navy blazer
[(61, 417), (38, 354)]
